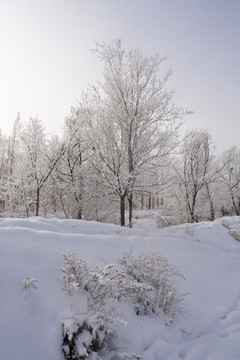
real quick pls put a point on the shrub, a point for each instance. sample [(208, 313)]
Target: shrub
[(147, 282), (107, 284), (90, 336), (101, 285), (29, 283), (96, 331), (235, 234), (155, 270), (74, 273)]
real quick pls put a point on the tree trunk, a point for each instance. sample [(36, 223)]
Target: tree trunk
[(212, 211), (79, 213), (149, 202), (37, 201), (142, 201), (122, 210), (130, 205), (233, 202), (191, 209)]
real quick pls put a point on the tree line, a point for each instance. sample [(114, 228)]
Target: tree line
[(120, 143)]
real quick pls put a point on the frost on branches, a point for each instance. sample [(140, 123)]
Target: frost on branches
[(155, 270), (86, 335), (86, 338), (147, 283), (74, 272)]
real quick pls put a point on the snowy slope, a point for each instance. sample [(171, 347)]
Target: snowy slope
[(205, 253)]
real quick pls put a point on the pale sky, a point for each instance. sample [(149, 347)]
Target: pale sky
[(46, 60)]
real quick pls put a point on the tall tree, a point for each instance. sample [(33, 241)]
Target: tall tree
[(39, 163), (230, 178), (3, 170), (13, 156), (196, 171), (69, 173), (136, 121)]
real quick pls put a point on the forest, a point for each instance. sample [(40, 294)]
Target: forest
[(120, 150)]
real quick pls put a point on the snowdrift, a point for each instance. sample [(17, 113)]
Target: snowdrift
[(205, 253)]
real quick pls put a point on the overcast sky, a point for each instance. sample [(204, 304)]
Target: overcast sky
[(46, 60)]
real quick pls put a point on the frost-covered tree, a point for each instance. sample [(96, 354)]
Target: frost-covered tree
[(69, 173), (135, 120), (38, 161), (106, 157), (195, 171), (13, 156), (230, 180), (3, 171)]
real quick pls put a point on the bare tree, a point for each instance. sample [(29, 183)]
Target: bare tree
[(230, 178), (196, 171), (39, 164), (3, 170), (69, 172), (13, 156), (136, 121)]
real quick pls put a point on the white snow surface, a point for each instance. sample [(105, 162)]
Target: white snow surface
[(205, 253)]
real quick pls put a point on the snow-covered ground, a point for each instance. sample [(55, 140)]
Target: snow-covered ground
[(205, 253)]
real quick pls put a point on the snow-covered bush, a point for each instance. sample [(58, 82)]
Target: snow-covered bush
[(74, 272), (148, 282), (154, 270), (101, 285), (235, 234), (165, 221), (87, 338), (107, 284), (93, 338), (225, 224), (29, 283), (84, 337)]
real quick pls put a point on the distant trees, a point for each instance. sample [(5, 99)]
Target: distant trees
[(195, 172), (69, 173), (120, 146), (230, 181), (3, 170), (82, 174), (13, 197), (116, 141), (38, 162)]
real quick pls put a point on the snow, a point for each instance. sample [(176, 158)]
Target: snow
[(209, 258)]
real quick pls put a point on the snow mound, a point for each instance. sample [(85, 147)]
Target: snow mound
[(33, 306)]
